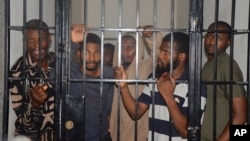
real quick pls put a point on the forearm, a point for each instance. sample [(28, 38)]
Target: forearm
[(239, 116), (154, 41), (128, 101), (74, 48), (178, 118), (225, 134)]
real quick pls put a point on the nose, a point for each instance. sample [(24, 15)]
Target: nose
[(125, 51), (160, 55), (91, 57), (35, 44)]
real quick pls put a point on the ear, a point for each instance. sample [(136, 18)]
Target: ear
[(228, 43), (182, 56)]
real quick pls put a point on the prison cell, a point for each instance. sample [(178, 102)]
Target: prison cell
[(167, 16)]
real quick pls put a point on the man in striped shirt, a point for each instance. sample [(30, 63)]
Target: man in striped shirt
[(169, 96)]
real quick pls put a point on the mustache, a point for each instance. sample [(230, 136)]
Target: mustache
[(90, 62), (35, 49)]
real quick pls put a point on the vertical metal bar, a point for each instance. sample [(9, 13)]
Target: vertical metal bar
[(153, 67), (40, 38), (137, 68), (154, 43), (231, 61), (171, 52), (24, 30), (195, 38), (85, 6), (59, 47), (154, 60), (101, 77), (248, 68), (172, 28), (6, 69), (192, 26), (119, 64), (215, 71), (198, 49)]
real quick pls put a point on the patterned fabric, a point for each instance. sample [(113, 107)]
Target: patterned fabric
[(34, 123), (161, 125)]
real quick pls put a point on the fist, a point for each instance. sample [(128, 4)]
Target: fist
[(147, 31), (38, 95), (78, 32)]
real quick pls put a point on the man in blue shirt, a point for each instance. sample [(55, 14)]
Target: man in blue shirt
[(88, 104)]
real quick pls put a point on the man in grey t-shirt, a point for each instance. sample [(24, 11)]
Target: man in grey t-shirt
[(88, 104)]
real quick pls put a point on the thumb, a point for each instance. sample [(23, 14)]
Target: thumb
[(45, 87)]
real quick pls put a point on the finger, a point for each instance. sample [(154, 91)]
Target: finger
[(172, 80), (45, 87), (158, 81)]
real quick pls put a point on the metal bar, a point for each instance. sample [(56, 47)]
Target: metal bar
[(231, 63), (137, 68), (59, 49), (6, 70), (215, 71), (119, 64), (248, 68), (101, 77)]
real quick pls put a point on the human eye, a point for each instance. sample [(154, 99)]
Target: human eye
[(167, 53), (209, 35), (164, 52), (97, 53)]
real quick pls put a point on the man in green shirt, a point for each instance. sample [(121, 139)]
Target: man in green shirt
[(215, 48)]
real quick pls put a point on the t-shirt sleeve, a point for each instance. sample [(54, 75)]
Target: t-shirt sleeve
[(237, 89), (145, 97)]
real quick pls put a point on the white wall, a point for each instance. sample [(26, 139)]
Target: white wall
[(129, 14), (241, 23)]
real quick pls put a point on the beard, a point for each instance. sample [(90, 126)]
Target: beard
[(126, 64), (160, 70)]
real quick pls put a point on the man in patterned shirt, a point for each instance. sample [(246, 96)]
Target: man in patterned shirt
[(31, 92), (169, 120), (32, 98)]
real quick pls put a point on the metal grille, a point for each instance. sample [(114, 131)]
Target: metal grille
[(62, 15)]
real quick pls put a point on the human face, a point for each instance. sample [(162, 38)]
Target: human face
[(128, 50), (92, 56), (33, 43), (108, 57), (164, 57), (223, 41)]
